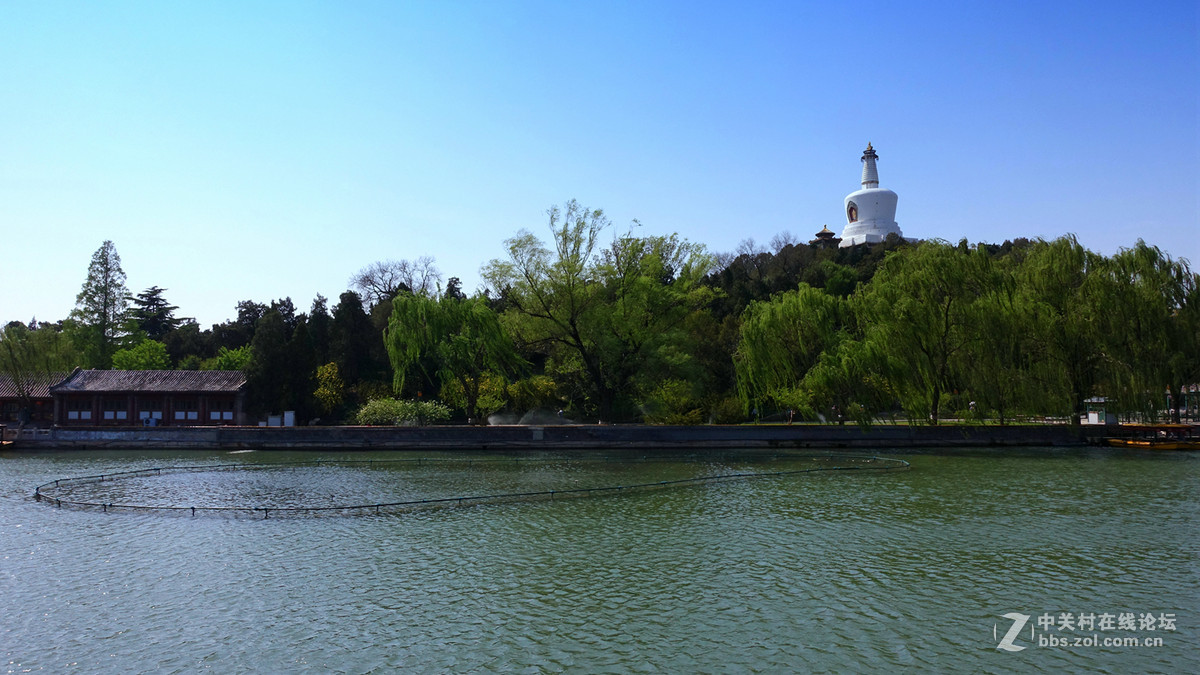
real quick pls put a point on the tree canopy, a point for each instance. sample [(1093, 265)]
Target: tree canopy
[(153, 314), (599, 323), (604, 318), (101, 308), (462, 341)]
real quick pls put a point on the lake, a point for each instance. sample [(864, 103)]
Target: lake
[(813, 572)]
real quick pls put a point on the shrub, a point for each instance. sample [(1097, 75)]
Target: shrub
[(538, 391), (672, 402), (393, 412), (727, 410)]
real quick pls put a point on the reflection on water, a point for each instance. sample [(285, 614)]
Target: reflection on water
[(821, 572)]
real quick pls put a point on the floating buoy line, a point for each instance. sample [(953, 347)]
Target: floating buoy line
[(62, 492)]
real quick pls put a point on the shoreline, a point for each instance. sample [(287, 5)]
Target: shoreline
[(557, 437)]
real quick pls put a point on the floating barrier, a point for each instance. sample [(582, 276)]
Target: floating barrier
[(62, 493)]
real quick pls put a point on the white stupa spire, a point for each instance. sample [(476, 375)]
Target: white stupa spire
[(871, 211), (870, 177)]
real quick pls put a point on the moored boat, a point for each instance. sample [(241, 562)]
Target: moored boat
[(1156, 437)]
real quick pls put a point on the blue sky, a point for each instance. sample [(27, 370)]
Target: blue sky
[(257, 150)]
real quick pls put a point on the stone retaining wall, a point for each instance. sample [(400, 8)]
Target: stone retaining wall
[(557, 437)]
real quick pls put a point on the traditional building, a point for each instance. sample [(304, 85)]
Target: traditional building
[(150, 398), (825, 239), (871, 211), (27, 402)]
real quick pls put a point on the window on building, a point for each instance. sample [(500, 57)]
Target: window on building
[(186, 409), (221, 410), (149, 408), (79, 410), (116, 408)]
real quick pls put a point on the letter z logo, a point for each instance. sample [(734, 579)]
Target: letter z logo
[(1006, 643)]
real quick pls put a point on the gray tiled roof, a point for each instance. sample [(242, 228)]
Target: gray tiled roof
[(38, 385), (164, 381)]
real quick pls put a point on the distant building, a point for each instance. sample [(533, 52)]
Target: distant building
[(825, 239), (27, 402), (871, 211), (150, 398)]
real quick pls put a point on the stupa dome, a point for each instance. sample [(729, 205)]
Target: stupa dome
[(871, 211)]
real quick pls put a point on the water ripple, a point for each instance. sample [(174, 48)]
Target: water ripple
[(830, 573)]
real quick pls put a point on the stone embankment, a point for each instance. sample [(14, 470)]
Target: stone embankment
[(554, 437)]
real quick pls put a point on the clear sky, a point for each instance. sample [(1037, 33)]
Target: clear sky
[(256, 150)]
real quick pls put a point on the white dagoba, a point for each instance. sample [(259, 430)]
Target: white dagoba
[(870, 212)]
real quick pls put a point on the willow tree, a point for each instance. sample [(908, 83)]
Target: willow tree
[(781, 340), (1149, 325), (609, 318), (1063, 300), (848, 381), (995, 368), (921, 311), (461, 338), (35, 355)]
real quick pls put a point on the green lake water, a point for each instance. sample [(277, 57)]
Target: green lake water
[(824, 572)]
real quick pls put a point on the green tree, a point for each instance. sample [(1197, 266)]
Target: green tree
[(229, 359), (301, 373), (920, 312), (847, 382), (267, 371), (355, 344), (240, 331), (146, 355), (463, 342), (318, 328), (35, 354), (484, 395), (331, 391), (533, 392), (188, 346), (802, 351), (603, 317), (781, 340), (996, 366), (153, 314), (1063, 299), (1148, 327), (101, 309)]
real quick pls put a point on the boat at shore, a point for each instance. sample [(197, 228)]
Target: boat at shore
[(1156, 437)]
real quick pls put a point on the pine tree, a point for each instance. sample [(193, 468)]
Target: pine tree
[(102, 308), (154, 316)]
